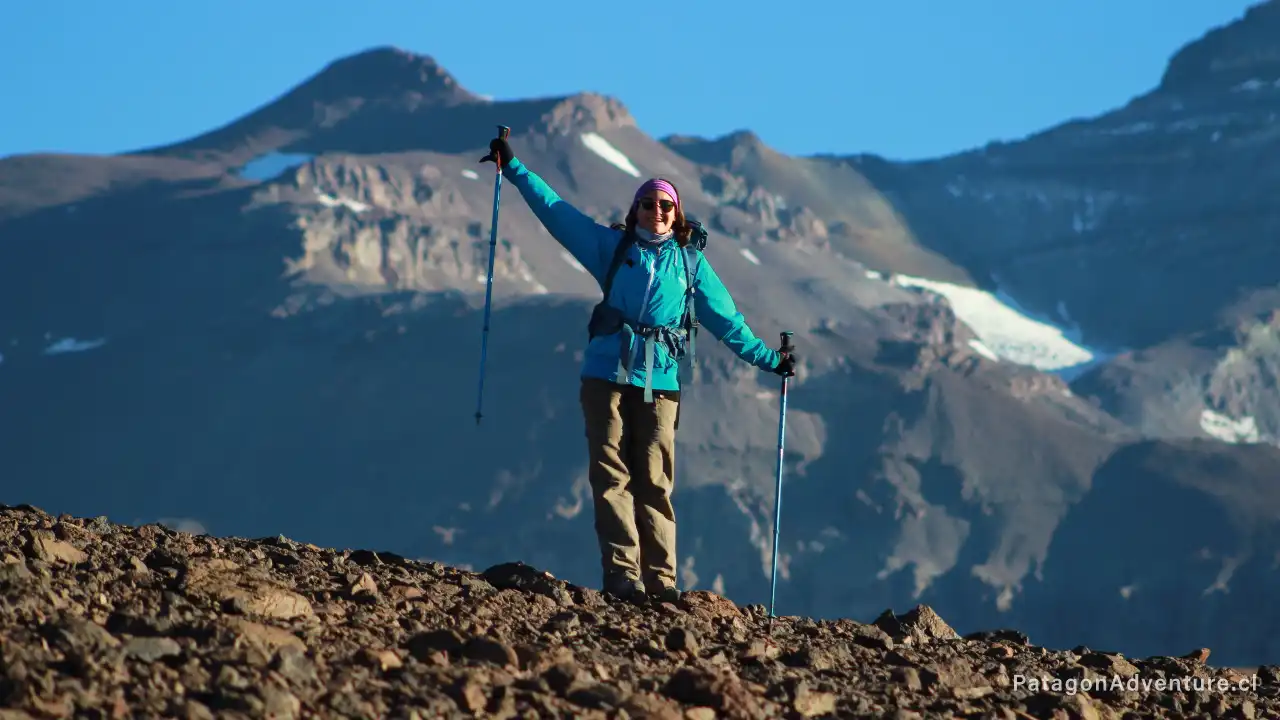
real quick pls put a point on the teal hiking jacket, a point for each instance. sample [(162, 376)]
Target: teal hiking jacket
[(649, 290)]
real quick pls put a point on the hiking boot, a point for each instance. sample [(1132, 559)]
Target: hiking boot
[(669, 594), (623, 587)]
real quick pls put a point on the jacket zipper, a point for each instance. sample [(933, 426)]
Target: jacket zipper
[(644, 304)]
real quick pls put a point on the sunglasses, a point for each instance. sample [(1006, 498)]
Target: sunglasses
[(648, 204)]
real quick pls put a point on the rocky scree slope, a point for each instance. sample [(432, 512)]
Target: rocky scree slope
[(106, 620)]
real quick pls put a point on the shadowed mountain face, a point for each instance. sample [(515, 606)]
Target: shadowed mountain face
[(275, 328)]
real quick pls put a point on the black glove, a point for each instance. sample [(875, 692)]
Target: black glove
[(501, 149), (787, 364)]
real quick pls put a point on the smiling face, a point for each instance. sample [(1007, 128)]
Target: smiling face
[(656, 212)]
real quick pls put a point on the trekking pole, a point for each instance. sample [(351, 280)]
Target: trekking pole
[(503, 133), (777, 498)]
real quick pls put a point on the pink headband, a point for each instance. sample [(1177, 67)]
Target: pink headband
[(657, 184)]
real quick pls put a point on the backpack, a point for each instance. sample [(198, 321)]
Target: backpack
[(606, 319)]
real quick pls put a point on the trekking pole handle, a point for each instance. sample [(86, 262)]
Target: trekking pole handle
[(504, 132), (786, 341)]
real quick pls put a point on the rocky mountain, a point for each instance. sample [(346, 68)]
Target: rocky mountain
[(1039, 377), (106, 620), (1142, 228)]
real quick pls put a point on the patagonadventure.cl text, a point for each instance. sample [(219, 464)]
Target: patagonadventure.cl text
[(1115, 683)]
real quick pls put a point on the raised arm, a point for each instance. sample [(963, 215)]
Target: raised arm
[(589, 242), (717, 313)]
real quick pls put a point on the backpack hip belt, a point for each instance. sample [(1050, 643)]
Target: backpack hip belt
[(672, 337)]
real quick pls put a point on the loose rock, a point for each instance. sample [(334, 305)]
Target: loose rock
[(112, 621)]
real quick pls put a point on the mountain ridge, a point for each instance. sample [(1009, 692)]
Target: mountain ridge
[(1250, 43)]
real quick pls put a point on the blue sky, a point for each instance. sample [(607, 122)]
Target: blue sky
[(901, 78)]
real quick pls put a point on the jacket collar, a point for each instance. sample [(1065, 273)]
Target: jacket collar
[(650, 240)]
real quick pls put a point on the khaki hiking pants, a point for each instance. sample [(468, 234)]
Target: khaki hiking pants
[(632, 453)]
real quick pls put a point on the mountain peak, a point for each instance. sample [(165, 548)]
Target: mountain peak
[(586, 112), (1238, 52), (384, 72), (725, 151), (736, 138), (354, 102)]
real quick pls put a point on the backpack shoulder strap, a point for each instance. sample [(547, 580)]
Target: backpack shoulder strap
[(619, 254), (692, 255)]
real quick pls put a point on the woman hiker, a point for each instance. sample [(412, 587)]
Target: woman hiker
[(630, 385)]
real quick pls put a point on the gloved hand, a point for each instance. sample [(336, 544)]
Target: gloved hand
[(500, 149), (787, 363)]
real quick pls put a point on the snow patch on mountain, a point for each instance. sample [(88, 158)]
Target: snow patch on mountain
[(1244, 430), (1088, 219), (331, 201), (1254, 85), (1005, 330), (983, 350), (1136, 128), (270, 165), (750, 256), (611, 154), (70, 345), (471, 174)]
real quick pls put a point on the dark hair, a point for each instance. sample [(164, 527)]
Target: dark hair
[(680, 228)]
